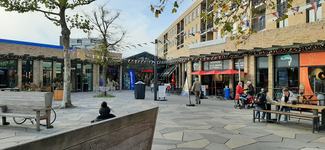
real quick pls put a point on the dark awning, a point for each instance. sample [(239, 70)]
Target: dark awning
[(167, 72)]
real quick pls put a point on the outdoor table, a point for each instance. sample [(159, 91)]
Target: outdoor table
[(314, 108)]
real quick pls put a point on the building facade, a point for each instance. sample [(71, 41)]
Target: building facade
[(283, 54), (26, 62)]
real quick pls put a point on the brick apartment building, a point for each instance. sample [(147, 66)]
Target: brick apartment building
[(283, 54), (26, 62)]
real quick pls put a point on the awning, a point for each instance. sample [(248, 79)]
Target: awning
[(167, 72)]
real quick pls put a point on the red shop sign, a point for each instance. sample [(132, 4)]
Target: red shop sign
[(146, 70)]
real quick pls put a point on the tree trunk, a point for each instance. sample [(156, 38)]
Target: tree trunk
[(104, 79), (65, 32)]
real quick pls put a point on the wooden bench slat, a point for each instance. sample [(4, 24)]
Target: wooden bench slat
[(18, 115), (288, 113)]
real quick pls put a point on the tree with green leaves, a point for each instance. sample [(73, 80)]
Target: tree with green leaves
[(55, 11), (227, 12), (111, 36)]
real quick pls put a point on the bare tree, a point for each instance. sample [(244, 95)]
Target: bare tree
[(111, 35)]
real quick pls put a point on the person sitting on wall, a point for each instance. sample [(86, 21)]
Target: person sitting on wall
[(104, 112)]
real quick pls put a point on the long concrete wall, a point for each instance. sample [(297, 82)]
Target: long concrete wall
[(131, 132)]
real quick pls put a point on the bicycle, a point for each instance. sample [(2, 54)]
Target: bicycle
[(42, 122)]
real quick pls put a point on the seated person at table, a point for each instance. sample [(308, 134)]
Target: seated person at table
[(287, 98), (260, 101), (104, 112)]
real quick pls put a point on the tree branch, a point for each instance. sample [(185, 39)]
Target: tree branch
[(52, 19), (47, 12)]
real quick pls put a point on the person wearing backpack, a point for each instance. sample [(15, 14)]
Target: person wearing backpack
[(260, 102)]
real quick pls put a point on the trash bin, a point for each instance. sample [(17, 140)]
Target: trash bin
[(139, 90), (227, 93)]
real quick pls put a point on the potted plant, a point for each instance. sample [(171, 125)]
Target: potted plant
[(58, 88), (85, 80)]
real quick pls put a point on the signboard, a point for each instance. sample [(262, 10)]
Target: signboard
[(132, 79), (196, 66), (241, 64), (162, 91), (204, 89), (215, 65), (2, 64), (146, 70), (287, 60)]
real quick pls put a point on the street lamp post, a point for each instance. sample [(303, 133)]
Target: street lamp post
[(155, 70)]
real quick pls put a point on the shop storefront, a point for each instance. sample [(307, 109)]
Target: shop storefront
[(312, 73), (286, 73), (216, 81), (8, 73), (262, 73), (140, 69)]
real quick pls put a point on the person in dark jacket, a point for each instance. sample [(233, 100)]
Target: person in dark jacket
[(105, 113), (250, 90)]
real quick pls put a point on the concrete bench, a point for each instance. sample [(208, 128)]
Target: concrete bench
[(130, 132), (32, 105), (315, 119)]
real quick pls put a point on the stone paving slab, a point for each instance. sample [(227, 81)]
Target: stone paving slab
[(194, 144), (212, 125)]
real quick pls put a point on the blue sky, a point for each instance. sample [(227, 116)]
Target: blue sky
[(136, 18)]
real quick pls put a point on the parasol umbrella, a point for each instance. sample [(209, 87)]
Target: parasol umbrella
[(231, 71), (213, 72), (200, 72)]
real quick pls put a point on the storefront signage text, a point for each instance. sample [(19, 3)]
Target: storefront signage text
[(146, 70), (113, 69), (215, 65), (3, 64)]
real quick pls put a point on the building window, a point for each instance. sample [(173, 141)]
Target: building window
[(311, 15), (27, 71), (89, 73), (193, 14), (198, 12), (79, 41), (244, 26), (286, 71), (47, 74), (282, 6), (8, 73), (259, 24), (234, 30), (185, 21), (197, 40)]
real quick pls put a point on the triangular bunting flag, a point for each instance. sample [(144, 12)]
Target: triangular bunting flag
[(315, 6)]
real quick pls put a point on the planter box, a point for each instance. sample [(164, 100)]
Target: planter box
[(58, 95), (85, 87)]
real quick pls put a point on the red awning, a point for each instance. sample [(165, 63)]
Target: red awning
[(200, 72), (213, 72), (231, 71)]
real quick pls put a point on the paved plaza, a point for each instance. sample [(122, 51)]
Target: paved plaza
[(213, 125)]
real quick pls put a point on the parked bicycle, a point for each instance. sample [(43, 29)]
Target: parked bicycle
[(42, 122)]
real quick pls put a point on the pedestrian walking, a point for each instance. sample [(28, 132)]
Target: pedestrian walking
[(168, 89), (197, 88)]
